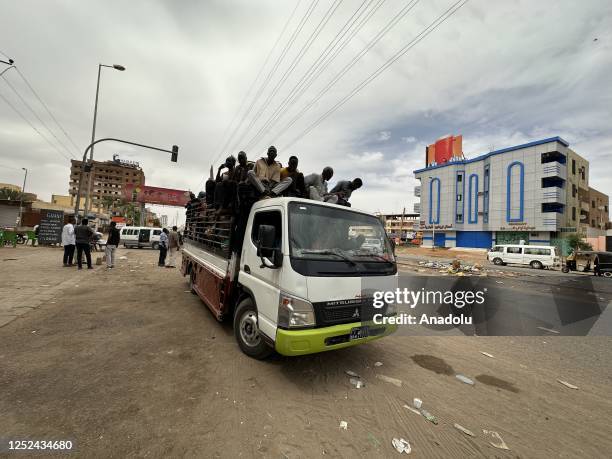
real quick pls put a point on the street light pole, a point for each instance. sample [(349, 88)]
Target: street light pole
[(93, 133), (173, 158), (21, 195)]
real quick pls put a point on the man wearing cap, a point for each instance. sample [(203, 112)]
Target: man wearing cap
[(316, 184), (265, 177)]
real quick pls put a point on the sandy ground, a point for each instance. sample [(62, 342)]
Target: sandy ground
[(128, 363), (468, 256)]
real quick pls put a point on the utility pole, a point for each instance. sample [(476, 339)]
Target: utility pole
[(21, 195)]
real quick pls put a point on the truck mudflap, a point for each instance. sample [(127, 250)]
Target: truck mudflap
[(313, 340)]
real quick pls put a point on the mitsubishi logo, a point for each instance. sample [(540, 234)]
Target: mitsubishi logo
[(356, 313)]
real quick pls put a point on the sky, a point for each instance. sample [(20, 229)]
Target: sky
[(210, 75)]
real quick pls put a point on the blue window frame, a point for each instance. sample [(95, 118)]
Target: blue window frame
[(515, 168), (473, 199), (459, 196), (435, 220), (485, 196)]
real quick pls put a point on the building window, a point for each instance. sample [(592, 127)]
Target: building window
[(574, 190), (434, 201), (593, 223), (573, 167), (552, 207), (459, 191), (485, 198), (473, 199), (592, 203), (515, 187), (553, 156), (573, 213)]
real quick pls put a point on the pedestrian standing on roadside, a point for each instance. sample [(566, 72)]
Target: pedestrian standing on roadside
[(83, 234), (163, 247), (68, 241), (173, 246), (111, 245)]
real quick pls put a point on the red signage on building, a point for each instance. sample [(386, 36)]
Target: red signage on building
[(155, 195)]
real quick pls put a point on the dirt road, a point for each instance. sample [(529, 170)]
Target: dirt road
[(128, 363)]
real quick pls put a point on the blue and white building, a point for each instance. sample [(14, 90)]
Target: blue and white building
[(504, 196)]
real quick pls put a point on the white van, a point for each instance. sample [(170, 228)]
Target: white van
[(536, 256), (140, 236)]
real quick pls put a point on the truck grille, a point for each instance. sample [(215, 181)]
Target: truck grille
[(343, 312)]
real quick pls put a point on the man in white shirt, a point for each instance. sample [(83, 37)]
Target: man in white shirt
[(68, 241)]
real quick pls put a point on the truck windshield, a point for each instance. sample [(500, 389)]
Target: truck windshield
[(352, 242)]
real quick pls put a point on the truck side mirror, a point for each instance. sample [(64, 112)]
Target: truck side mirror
[(270, 256)]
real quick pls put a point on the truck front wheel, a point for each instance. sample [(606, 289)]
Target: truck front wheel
[(247, 333)]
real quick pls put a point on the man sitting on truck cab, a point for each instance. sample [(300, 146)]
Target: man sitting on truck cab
[(265, 177), (316, 185), (297, 187)]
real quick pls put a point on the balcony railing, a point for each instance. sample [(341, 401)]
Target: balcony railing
[(554, 169), (552, 220), (417, 191), (553, 194), (417, 208)]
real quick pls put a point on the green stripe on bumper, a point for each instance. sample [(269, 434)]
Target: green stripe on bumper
[(300, 342)]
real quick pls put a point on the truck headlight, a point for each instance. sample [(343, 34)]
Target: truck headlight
[(295, 312)]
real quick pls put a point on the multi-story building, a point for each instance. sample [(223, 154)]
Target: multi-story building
[(400, 225), (598, 215), (62, 200), (528, 192), (109, 178)]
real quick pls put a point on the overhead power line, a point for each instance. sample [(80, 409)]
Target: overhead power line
[(426, 31), (333, 49), (78, 150), (296, 60), (248, 93), (29, 107), (32, 126), (276, 64), (399, 15)]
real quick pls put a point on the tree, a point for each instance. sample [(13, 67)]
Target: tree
[(576, 243), (9, 194)]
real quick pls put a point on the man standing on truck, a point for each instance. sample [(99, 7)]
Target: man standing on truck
[(265, 177), (173, 246), (241, 171), (316, 184), (344, 189), (297, 187)]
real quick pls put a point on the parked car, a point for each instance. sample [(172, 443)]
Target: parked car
[(140, 236), (536, 256), (373, 245)]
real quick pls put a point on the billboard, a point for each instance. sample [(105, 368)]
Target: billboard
[(50, 228), (155, 195), (444, 150)]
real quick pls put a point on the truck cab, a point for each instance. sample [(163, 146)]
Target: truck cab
[(300, 280)]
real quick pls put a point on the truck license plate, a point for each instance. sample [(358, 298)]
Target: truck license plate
[(359, 332)]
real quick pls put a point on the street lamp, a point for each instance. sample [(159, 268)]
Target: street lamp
[(21, 195), (121, 68)]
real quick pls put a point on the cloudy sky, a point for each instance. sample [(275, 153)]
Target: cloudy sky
[(498, 72)]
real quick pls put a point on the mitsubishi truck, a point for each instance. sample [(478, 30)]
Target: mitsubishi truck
[(292, 274)]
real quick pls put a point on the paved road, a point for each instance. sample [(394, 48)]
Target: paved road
[(127, 363)]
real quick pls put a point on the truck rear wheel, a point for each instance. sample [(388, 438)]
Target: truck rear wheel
[(246, 330)]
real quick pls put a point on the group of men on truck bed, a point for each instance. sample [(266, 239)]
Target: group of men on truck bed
[(266, 178)]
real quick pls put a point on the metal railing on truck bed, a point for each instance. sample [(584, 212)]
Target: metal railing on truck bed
[(208, 228)]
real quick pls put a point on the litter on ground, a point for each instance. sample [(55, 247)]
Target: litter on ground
[(487, 354), (343, 425), (401, 445), (500, 444), (395, 382), (414, 410), (464, 430), (464, 379), (566, 384)]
